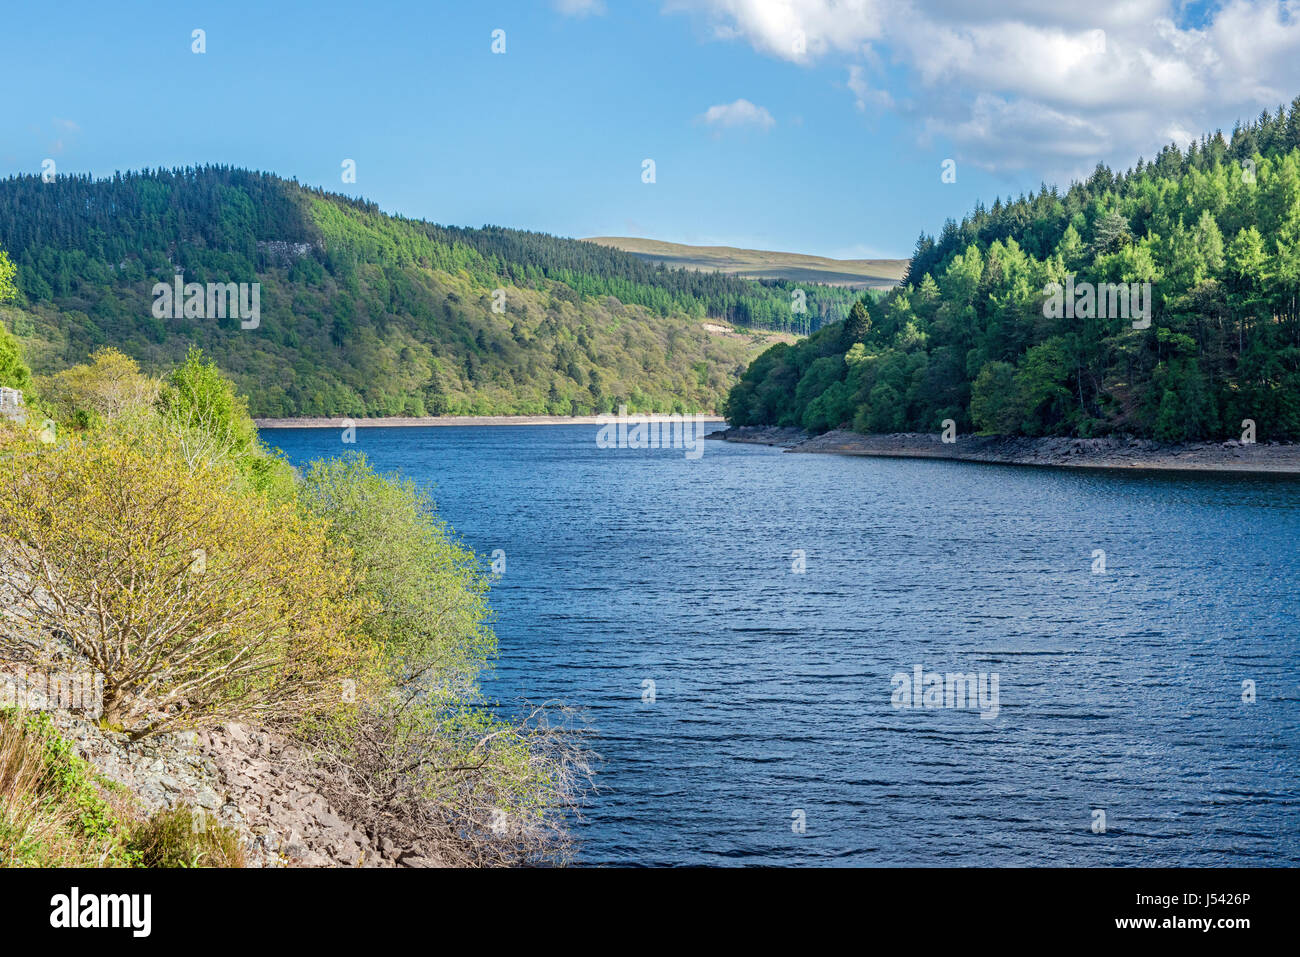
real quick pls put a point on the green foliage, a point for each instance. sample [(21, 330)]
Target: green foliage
[(423, 738), (182, 837), (1041, 388), (7, 273), (14, 373), (107, 388), (201, 405), (426, 593), (364, 314), (196, 393), (196, 601), (73, 782), (347, 614), (995, 406), (973, 336), (1185, 410), (53, 810)]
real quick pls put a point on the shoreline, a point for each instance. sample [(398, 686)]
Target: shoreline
[(426, 421), (1104, 453)]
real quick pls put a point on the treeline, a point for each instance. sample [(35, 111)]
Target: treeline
[(594, 270), (367, 314), (231, 220), (974, 335)]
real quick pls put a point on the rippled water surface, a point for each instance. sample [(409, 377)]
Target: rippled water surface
[(1119, 691)]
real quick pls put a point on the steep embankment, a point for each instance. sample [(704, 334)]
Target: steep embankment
[(258, 783)]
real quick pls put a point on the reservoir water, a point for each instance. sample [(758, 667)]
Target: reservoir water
[(772, 599)]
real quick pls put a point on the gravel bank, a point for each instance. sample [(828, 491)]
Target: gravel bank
[(1105, 453)]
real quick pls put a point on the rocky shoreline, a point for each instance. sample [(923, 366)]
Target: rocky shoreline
[(1112, 452)]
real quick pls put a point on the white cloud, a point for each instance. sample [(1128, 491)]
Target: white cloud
[(580, 8), (740, 113), (796, 30), (866, 96), (1067, 141), (1052, 87)]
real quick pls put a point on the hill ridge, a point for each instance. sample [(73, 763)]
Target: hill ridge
[(750, 263)]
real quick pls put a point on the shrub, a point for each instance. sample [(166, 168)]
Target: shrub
[(209, 419), (8, 290), (180, 837), (426, 595), (426, 763), (198, 396), (197, 602), (32, 831), (460, 784), (14, 373), (108, 387)]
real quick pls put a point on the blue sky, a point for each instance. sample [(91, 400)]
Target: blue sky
[(814, 126)]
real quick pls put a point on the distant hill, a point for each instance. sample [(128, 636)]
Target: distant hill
[(367, 314), (764, 264)]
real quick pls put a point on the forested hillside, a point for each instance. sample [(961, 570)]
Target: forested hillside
[(367, 314), (973, 335)]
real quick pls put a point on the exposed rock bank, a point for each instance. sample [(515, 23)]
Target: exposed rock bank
[(256, 782), (1104, 453), (762, 435)]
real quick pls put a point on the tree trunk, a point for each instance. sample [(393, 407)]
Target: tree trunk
[(115, 710)]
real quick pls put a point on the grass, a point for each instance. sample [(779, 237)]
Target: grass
[(182, 837), (56, 811)]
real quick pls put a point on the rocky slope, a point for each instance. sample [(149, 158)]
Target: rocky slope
[(256, 782)]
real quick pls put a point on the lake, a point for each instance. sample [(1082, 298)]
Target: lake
[(772, 599)]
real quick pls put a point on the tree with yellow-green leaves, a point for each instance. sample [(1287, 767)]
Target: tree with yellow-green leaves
[(107, 387), (426, 590), (427, 761), (193, 411), (7, 273), (197, 602), (14, 373)]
